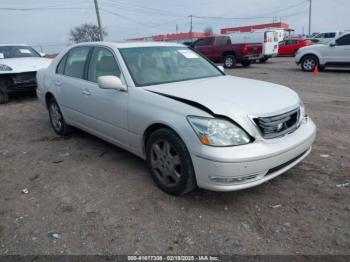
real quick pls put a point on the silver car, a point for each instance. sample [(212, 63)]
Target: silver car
[(194, 125)]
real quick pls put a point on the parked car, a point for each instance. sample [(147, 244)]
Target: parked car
[(194, 125), (268, 39), (220, 49), (334, 54), (290, 46), (18, 67)]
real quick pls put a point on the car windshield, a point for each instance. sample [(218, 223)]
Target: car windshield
[(159, 65), (17, 52)]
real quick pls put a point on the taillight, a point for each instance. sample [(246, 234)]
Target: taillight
[(245, 49)]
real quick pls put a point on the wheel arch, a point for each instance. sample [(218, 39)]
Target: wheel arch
[(48, 96), (224, 54)]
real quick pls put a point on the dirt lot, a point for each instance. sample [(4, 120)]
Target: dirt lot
[(103, 201)]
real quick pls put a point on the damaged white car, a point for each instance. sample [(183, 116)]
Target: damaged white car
[(18, 67), (195, 126)]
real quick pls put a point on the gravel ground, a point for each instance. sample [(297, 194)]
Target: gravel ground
[(102, 200)]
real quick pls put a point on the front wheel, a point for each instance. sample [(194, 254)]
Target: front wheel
[(170, 163), (308, 63), (230, 61), (4, 97), (246, 63), (56, 118)]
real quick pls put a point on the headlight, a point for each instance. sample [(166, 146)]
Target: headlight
[(5, 68), (303, 113), (218, 132)]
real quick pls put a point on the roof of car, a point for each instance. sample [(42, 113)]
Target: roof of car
[(294, 38), (129, 44)]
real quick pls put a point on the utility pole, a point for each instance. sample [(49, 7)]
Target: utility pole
[(310, 17), (98, 20), (191, 28)]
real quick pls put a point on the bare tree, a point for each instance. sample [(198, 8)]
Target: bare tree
[(208, 31), (86, 33)]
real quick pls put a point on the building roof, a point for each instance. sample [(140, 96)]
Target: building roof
[(249, 28)]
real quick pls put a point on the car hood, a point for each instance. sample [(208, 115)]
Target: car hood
[(25, 64), (233, 97), (313, 47)]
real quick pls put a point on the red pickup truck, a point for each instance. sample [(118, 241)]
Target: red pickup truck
[(219, 49)]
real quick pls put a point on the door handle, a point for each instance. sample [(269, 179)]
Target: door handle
[(58, 83), (86, 92)]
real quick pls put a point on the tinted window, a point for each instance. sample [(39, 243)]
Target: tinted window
[(204, 42), (330, 35), (102, 63), (60, 67), (345, 40), (76, 62), (223, 41)]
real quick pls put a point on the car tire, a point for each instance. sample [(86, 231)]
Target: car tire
[(263, 60), (57, 120), (170, 163), (4, 97), (230, 61), (308, 63), (246, 63)]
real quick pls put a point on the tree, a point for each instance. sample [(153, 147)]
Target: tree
[(86, 33), (208, 31)]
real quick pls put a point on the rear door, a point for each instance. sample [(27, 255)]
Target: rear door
[(70, 83)]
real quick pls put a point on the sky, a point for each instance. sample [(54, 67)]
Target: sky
[(45, 24)]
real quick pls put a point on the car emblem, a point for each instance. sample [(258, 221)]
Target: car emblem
[(279, 126)]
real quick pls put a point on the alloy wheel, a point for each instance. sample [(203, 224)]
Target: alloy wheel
[(166, 163), (56, 116)]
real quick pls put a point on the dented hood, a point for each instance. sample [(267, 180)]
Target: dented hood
[(231, 96)]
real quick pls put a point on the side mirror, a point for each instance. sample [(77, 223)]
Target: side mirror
[(42, 54), (110, 82), (221, 68), (332, 44)]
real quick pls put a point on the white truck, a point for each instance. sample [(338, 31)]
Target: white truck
[(269, 40)]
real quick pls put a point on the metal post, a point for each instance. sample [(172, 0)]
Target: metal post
[(310, 17), (99, 20)]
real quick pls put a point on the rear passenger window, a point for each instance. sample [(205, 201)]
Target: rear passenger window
[(76, 62), (60, 67), (102, 63), (223, 41)]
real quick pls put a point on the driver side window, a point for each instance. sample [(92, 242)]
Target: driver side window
[(102, 63), (345, 40)]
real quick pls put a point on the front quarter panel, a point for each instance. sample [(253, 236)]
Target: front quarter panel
[(147, 108)]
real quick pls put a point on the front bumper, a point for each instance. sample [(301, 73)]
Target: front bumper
[(21, 82), (241, 167)]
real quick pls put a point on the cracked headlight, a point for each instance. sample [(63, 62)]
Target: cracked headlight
[(218, 132), (5, 68)]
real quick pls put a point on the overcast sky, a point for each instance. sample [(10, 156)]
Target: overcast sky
[(47, 22)]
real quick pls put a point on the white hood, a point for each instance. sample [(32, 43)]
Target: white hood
[(25, 64), (233, 96)]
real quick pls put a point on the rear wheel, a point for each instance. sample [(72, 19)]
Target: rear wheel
[(246, 63), (308, 63), (264, 59), (4, 97), (57, 120), (230, 61), (170, 163)]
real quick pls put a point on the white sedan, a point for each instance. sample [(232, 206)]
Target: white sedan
[(195, 126), (18, 67)]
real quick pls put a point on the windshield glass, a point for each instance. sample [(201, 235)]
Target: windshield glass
[(17, 51), (159, 65)]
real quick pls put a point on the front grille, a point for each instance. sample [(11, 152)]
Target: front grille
[(276, 126), (24, 78)]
